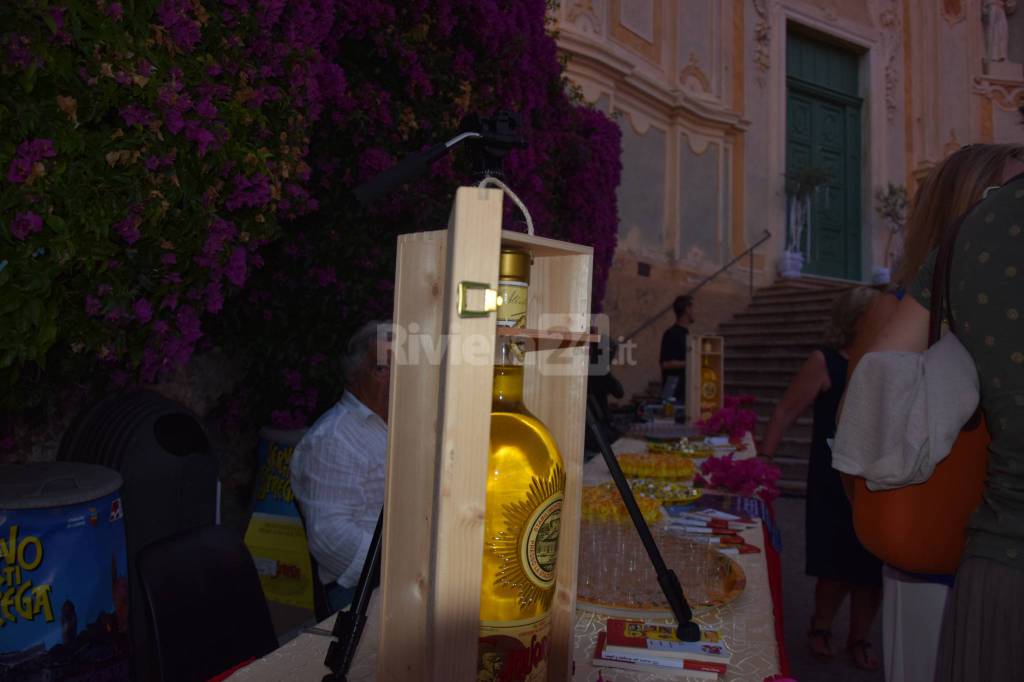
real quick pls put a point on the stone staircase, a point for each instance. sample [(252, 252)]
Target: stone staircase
[(765, 345)]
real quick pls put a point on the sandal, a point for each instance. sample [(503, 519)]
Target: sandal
[(860, 651), (820, 642)]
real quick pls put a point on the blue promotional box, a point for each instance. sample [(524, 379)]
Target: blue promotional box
[(63, 573)]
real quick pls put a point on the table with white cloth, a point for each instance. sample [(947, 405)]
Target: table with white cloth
[(747, 624)]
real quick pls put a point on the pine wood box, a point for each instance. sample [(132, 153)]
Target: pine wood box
[(439, 421)]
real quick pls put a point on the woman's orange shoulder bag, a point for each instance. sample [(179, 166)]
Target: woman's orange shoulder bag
[(921, 528)]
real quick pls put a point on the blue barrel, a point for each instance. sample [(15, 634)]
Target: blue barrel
[(63, 573)]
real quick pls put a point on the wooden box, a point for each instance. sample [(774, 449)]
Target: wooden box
[(439, 425), (705, 376)]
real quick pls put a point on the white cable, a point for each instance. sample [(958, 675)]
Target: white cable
[(491, 180)]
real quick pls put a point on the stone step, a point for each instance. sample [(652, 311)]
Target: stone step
[(764, 406), (745, 355), (765, 362), (794, 468), (797, 439), (758, 316), (812, 282), (796, 442), (773, 343), (778, 326), (762, 388), (804, 422), (823, 309), (795, 297), (773, 337), (793, 488), (742, 375)]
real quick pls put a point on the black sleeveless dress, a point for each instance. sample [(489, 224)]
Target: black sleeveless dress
[(833, 550)]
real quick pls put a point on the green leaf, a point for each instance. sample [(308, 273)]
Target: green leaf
[(49, 21), (56, 223), (28, 78)]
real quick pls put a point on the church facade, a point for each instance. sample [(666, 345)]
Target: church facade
[(735, 114)]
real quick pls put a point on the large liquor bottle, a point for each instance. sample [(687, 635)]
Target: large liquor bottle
[(709, 400), (525, 484)]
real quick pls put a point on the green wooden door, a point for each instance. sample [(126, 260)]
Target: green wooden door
[(823, 131)]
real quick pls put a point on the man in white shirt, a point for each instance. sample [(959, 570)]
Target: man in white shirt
[(338, 468)]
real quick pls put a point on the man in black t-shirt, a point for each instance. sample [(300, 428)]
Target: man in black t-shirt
[(673, 351)]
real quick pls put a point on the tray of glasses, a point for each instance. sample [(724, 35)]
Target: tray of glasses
[(616, 577)]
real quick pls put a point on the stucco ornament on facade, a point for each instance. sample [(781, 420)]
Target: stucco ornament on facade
[(1007, 95), (762, 40), (585, 16), (889, 19), (693, 78)]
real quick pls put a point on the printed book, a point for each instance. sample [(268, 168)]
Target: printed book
[(634, 637), (700, 670)]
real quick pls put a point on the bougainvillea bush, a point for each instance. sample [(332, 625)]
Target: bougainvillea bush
[(149, 156), (176, 176)]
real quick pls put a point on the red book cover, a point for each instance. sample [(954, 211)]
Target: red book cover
[(706, 666)]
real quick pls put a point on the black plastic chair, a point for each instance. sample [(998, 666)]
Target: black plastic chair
[(321, 607), (205, 604)]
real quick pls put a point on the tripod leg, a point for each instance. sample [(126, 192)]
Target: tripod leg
[(348, 627)]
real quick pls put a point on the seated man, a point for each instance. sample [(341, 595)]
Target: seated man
[(338, 468)]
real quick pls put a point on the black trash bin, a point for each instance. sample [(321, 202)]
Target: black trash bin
[(162, 452)]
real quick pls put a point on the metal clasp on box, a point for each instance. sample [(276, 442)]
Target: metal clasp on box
[(491, 299)]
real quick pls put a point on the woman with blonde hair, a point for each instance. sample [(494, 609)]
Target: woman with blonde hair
[(834, 556), (912, 605)]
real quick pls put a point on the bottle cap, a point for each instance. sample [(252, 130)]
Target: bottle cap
[(514, 265)]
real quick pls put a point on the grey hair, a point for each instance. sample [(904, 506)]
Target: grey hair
[(362, 343)]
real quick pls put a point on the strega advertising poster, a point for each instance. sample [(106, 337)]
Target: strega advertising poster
[(64, 592), (275, 536)]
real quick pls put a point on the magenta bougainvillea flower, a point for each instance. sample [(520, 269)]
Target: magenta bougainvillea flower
[(27, 155), (26, 223)]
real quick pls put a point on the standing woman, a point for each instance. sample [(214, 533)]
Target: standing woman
[(913, 604), (834, 555), (981, 634)]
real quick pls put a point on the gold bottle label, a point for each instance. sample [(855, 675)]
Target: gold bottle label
[(539, 548), (528, 546), (513, 652), (512, 311)]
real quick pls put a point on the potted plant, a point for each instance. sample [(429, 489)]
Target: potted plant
[(891, 205), (801, 187)]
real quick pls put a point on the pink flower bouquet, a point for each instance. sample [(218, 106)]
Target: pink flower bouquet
[(732, 419), (747, 477)]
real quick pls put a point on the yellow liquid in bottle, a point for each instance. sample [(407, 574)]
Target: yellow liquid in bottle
[(525, 483)]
